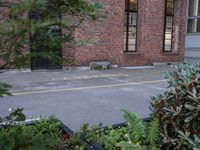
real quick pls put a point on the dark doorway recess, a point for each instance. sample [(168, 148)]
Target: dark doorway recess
[(45, 56)]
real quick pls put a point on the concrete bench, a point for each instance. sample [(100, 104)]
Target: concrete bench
[(100, 65)]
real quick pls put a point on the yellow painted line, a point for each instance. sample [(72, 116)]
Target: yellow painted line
[(91, 77), (88, 87)]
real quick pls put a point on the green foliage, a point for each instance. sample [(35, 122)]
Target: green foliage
[(4, 89), (15, 28), (126, 146), (74, 140), (136, 127), (45, 134), (108, 138), (137, 135), (16, 115), (153, 131), (178, 108)]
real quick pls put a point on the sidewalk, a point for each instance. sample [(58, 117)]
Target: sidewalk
[(22, 80)]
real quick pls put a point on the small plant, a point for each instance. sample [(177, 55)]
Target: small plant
[(98, 67), (178, 109), (137, 135), (4, 89), (16, 115)]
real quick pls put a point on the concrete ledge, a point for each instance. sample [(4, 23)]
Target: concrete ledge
[(100, 65), (15, 70), (166, 63), (114, 66), (138, 67), (82, 68)]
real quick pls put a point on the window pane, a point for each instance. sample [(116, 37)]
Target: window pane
[(168, 36), (132, 41), (191, 8), (167, 48), (199, 9), (170, 8), (130, 32), (133, 5), (168, 42), (191, 26), (168, 25), (132, 19), (131, 48), (169, 22), (132, 35), (198, 25)]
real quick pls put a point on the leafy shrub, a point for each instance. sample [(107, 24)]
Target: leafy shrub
[(136, 135), (178, 109), (43, 136), (46, 134)]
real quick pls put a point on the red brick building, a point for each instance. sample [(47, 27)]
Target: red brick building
[(156, 33), (135, 32)]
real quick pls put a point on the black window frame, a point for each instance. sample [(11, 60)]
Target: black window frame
[(165, 27), (194, 17), (127, 12)]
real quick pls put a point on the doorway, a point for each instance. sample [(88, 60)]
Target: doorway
[(44, 56)]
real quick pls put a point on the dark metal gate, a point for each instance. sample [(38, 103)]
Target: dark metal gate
[(41, 50)]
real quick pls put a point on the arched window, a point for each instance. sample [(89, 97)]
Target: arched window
[(130, 33)]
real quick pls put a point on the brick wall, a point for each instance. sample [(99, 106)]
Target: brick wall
[(109, 33)]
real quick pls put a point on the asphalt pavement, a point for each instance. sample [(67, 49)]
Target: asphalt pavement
[(85, 96)]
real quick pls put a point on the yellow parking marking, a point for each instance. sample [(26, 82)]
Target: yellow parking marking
[(91, 76), (88, 87)]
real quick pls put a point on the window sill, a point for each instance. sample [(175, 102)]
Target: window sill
[(170, 53), (197, 33), (132, 53)]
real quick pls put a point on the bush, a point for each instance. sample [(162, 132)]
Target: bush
[(178, 109), (136, 135), (46, 134)]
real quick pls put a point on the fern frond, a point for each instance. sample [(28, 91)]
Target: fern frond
[(126, 146), (135, 125), (153, 131)]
